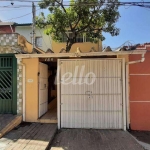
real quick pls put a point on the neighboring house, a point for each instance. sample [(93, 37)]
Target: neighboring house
[(7, 27), (45, 42), (41, 40), (140, 91)]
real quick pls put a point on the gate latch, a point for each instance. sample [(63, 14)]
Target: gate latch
[(88, 93)]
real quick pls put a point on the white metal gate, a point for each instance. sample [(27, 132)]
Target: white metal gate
[(91, 93), (43, 89)]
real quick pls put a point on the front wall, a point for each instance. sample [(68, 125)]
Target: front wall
[(31, 76), (140, 93), (84, 47)]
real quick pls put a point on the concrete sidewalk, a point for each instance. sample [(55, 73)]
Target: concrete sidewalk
[(5, 119), (8, 122), (90, 139), (29, 136)]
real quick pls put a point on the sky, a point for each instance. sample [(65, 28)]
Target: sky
[(134, 22)]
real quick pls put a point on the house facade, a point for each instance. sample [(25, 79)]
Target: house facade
[(76, 89), (45, 42), (91, 89)]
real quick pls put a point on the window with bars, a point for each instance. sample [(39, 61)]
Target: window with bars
[(38, 41), (80, 38)]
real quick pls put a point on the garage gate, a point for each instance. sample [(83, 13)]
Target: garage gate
[(91, 93)]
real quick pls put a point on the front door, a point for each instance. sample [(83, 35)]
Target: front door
[(8, 84), (43, 89)]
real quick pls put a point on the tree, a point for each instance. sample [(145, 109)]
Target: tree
[(89, 17)]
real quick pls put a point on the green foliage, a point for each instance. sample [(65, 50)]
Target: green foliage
[(89, 17)]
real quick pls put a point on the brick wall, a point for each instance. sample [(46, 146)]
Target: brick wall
[(7, 29)]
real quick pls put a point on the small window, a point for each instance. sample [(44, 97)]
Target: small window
[(87, 39), (79, 38), (64, 38), (38, 41)]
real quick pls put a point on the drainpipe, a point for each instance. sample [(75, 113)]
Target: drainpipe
[(11, 29), (24, 89), (127, 87), (138, 61)]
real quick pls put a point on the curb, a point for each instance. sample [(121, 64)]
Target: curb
[(144, 145)]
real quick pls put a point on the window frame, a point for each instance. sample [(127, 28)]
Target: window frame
[(83, 37), (41, 41)]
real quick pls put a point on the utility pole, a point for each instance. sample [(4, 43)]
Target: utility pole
[(33, 27)]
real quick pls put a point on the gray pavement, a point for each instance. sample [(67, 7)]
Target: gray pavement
[(90, 139), (29, 136)]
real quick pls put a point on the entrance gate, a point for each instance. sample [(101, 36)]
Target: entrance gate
[(8, 84)]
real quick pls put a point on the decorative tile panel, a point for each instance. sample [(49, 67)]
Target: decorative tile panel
[(19, 88), (6, 50), (9, 39)]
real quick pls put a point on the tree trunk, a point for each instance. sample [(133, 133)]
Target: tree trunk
[(68, 46)]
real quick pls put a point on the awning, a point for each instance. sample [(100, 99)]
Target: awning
[(90, 54)]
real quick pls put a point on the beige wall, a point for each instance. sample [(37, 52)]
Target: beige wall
[(124, 56), (32, 67), (84, 47)]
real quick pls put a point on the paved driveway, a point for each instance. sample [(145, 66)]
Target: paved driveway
[(88, 139)]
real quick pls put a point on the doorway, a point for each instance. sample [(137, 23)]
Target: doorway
[(48, 91)]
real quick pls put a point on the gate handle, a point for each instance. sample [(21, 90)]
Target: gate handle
[(45, 85), (88, 92)]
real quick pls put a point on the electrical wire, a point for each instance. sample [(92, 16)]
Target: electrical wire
[(19, 16), (11, 9), (67, 3), (142, 1), (141, 4)]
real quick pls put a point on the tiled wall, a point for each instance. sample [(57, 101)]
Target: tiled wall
[(19, 87), (6, 50), (9, 39)]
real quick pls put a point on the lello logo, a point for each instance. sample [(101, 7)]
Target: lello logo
[(78, 77)]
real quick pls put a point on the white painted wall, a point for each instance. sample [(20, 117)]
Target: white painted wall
[(26, 31)]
